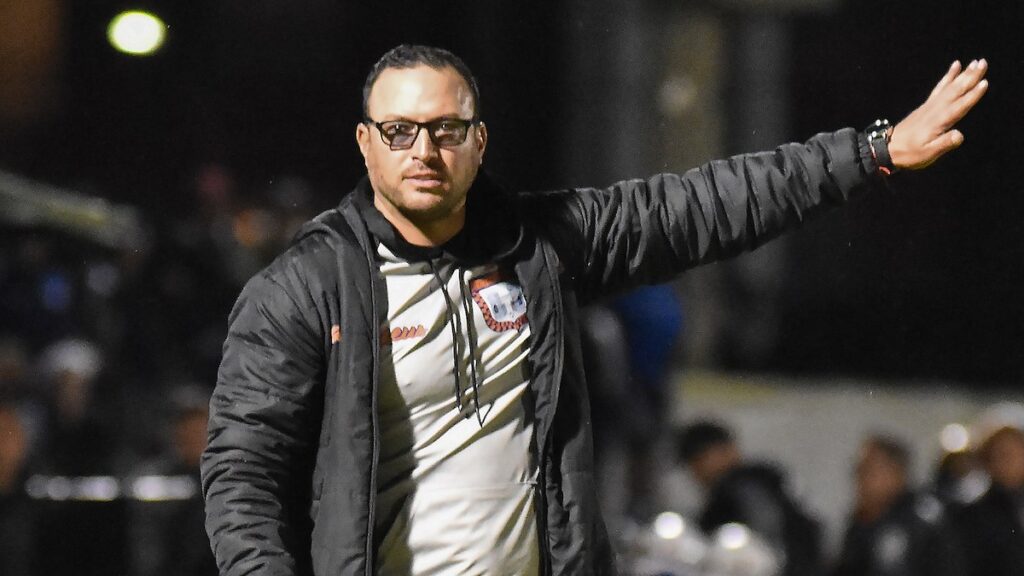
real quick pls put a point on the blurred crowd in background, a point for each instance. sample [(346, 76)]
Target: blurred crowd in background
[(106, 363), (107, 357), (138, 194)]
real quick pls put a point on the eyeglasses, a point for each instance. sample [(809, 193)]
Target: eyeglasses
[(444, 132)]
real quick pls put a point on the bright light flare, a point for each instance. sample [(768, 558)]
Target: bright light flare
[(955, 438), (137, 33), (733, 536), (669, 525)]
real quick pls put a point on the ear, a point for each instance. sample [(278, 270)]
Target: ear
[(363, 139), (481, 139)]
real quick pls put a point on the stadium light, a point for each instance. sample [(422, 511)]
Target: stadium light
[(137, 33)]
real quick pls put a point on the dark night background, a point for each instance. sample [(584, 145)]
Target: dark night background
[(138, 194), (922, 282)]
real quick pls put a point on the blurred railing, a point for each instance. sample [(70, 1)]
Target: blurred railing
[(26, 202)]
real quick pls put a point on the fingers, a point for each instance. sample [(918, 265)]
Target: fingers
[(955, 137), (954, 69), (969, 78), (948, 141), (964, 104)]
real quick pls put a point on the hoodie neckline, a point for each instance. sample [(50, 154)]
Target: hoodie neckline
[(491, 232)]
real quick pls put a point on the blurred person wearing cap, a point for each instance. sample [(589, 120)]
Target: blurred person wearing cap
[(81, 533), (81, 432), (992, 527), (893, 530), (754, 494), (402, 391)]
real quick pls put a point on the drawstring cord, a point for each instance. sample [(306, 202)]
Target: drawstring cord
[(471, 336), (453, 319)]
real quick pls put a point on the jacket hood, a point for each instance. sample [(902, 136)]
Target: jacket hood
[(493, 230)]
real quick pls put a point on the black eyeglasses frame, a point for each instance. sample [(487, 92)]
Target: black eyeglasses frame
[(431, 127)]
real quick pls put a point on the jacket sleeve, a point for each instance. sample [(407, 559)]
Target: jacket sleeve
[(264, 421), (646, 231)]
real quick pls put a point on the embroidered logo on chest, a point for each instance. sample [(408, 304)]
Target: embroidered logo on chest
[(399, 333), (500, 300)]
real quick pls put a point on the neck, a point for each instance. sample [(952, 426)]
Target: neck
[(427, 234)]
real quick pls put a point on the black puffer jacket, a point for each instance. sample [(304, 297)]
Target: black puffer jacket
[(289, 472)]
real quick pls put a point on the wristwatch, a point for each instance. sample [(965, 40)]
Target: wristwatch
[(878, 134)]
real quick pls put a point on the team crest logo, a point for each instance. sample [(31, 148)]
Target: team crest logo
[(500, 300)]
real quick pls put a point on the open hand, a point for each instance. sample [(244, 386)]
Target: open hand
[(927, 133)]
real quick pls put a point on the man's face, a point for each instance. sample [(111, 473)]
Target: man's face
[(425, 184)]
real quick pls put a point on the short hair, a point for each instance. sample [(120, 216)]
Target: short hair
[(893, 449), (694, 440), (412, 55)]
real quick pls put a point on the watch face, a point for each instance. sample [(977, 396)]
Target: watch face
[(878, 127)]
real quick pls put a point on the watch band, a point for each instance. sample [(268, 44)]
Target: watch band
[(878, 134)]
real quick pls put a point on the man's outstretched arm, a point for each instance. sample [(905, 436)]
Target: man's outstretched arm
[(645, 231)]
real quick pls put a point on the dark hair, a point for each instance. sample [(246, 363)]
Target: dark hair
[(410, 56), (697, 438), (893, 449)]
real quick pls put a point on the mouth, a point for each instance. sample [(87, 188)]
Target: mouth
[(425, 179)]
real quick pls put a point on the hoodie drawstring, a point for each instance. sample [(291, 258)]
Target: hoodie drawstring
[(471, 336), (452, 323)]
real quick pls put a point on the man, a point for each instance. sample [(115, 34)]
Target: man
[(992, 527), (893, 531), (752, 494), (402, 392)]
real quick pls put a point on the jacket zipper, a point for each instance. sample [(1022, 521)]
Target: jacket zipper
[(375, 346)]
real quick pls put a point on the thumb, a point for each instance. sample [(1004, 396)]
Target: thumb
[(945, 143), (933, 150)]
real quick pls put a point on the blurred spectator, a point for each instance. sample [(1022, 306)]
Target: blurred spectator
[(13, 366), (752, 494), (652, 319), (17, 514), (167, 534), (80, 438), (894, 531), (81, 519), (960, 478), (992, 527), (39, 291)]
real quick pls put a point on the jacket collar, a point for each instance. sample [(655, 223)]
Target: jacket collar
[(493, 231)]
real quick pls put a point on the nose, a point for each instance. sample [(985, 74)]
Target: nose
[(423, 147)]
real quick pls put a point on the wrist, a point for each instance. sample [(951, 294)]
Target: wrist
[(879, 135)]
